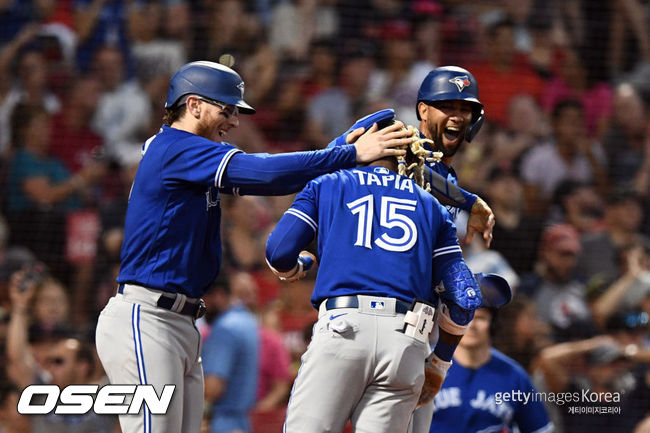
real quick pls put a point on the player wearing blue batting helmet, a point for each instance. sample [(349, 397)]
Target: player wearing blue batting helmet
[(452, 83), (210, 80)]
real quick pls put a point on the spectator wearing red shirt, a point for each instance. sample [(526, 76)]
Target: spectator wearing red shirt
[(71, 139), (503, 73)]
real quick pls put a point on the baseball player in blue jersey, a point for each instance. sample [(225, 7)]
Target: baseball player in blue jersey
[(485, 391), (450, 112), (172, 247), (382, 240)]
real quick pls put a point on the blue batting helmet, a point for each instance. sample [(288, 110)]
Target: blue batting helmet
[(210, 80), (451, 83)]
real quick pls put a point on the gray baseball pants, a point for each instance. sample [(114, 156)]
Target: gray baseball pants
[(138, 342), (358, 367)]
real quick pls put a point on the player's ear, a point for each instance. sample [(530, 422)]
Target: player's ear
[(193, 106), (422, 110)]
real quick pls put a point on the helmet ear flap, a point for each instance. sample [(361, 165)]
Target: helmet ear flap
[(473, 129)]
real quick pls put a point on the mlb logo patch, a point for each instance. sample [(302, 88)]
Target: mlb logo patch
[(377, 305), (381, 170)]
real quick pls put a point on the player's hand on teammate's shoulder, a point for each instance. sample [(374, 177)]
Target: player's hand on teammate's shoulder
[(480, 220), (379, 143)]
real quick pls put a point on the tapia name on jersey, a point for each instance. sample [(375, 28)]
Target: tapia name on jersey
[(384, 177)]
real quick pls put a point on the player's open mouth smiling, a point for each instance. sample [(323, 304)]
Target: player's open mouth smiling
[(451, 133)]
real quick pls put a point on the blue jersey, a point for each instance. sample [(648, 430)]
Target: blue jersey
[(475, 400), (377, 235), (172, 239)]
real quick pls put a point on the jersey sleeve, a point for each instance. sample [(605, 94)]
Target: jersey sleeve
[(531, 417), (449, 193), (446, 250), (295, 230), (283, 173), (198, 161)]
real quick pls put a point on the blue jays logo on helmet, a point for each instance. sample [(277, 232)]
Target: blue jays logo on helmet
[(452, 83), (210, 80), (460, 82)]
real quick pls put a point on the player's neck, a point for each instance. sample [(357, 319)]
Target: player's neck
[(472, 357), (388, 162)]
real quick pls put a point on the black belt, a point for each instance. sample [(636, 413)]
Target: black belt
[(167, 299), (401, 307)]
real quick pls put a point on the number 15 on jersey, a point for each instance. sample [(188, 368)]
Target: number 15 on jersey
[(394, 213)]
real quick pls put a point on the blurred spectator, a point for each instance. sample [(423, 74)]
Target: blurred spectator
[(488, 261), (520, 333), (330, 111), (124, 110), (64, 361), (226, 26), (630, 42), (426, 18), (597, 365), (296, 316), (625, 141), (623, 217), (502, 72), (627, 292), (230, 359), (526, 127), (295, 23), (576, 203), (275, 376), (71, 361), (560, 299), (282, 118), (322, 68), (469, 397), (573, 81), (10, 420), (243, 244), (399, 79), (100, 23), (517, 233), (51, 304), (152, 53), (568, 155), (41, 191), (71, 138), (23, 69)]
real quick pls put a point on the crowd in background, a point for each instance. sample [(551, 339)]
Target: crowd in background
[(563, 160)]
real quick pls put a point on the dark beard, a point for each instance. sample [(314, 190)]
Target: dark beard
[(437, 142)]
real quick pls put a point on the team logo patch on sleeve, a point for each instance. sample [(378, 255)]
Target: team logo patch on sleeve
[(461, 82)]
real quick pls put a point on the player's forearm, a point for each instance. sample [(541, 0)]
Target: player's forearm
[(449, 193), (283, 247), (20, 362), (608, 302), (284, 173)]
